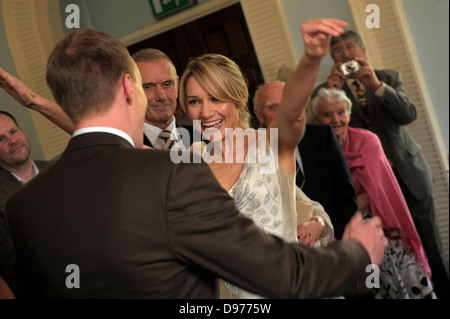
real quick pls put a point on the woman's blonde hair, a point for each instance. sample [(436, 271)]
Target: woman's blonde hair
[(222, 78)]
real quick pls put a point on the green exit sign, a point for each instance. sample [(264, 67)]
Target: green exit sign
[(163, 8)]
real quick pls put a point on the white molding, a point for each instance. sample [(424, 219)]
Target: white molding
[(270, 35)]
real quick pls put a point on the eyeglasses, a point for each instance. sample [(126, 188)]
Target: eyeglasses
[(351, 47)]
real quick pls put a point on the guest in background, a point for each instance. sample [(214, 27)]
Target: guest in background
[(381, 105), (16, 169), (404, 272)]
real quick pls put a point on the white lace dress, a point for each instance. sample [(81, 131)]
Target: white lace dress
[(266, 194)]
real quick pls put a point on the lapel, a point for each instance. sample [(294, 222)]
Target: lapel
[(147, 141)]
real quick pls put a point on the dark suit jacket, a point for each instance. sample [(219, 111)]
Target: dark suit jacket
[(388, 116), (139, 226), (327, 177), (8, 185)]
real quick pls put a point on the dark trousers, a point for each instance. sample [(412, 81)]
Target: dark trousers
[(424, 216)]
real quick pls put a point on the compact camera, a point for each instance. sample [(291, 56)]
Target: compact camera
[(349, 67)]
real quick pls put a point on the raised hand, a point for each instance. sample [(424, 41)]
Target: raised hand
[(22, 94), (316, 34), (366, 75), (19, 91)]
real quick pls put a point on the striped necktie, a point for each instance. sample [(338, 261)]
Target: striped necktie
[(362, 100), (165, 137)]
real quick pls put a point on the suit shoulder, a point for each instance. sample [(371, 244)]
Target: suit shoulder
[(387, 75), (318, 130)]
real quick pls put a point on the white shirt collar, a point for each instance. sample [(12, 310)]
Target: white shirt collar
[(36, 171), (104, 129)]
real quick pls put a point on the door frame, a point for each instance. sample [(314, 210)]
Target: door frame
[(266, 23)]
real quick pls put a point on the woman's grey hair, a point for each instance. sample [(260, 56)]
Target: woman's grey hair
[(332, 96)]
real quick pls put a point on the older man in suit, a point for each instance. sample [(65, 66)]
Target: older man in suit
[(16, 169), (135, 225), (160, 83), (381, 105)]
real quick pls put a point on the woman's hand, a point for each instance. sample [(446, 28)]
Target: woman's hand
[(309, 232), (316, 33), (22, 94), (19, 91)]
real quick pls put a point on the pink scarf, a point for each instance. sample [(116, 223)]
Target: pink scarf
[(372, 173)]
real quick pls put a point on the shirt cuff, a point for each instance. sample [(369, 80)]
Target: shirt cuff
[(380, 91)]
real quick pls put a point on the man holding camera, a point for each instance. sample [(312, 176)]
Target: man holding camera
[(381, 105)]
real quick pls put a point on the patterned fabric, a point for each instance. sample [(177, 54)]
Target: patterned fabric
[(362, 100), (404, 266), (165, 136), (267, 198), (401, 277)]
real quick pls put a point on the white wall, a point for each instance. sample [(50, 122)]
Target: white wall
[(299, 11), (429, 24)]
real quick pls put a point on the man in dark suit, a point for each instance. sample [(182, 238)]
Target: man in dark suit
[(381, 105), (16, 169), (112, 220), (327, 178), (160, 82), (323, 174)]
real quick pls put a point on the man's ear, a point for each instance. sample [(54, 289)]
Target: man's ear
[(128, 89), (258, 115)]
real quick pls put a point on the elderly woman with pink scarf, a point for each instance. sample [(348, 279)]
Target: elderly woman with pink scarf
[(405, 272)]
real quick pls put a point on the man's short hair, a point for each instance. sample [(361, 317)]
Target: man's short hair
[(344, 36), (84, 69), (11, 116), (332, 96), (151, 55)]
